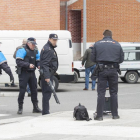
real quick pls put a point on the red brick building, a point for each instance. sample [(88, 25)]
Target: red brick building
[(120, 16), (30, 14)]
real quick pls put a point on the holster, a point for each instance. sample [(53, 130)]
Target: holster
[(94, 75), (19, 69), (101, 67), (42, 72), (117, 66)]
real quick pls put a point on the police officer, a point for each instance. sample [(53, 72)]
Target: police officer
[(19, 47), (6, 68), (108, 54), (49, 65), (27, 59)]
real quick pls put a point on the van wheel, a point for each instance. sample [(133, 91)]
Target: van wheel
[(131, 77), (75, 77), (55, 83), (123, 79)]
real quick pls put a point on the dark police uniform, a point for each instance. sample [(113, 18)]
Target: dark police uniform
[(5, 67), (108, 53), (24, 57), (48, 63)]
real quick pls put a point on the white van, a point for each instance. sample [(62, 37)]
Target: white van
[(12, 39), (130, 68)]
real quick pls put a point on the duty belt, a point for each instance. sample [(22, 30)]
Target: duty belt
[(109, 66)]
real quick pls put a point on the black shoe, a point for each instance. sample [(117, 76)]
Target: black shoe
[(116, 117), (13, 85), (29, 94), (46, 113), (36, 109), (98, 118), (20, 109)]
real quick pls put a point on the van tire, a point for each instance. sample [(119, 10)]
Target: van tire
[(123, 79), (131, 77), (55, 83), (75, 77)]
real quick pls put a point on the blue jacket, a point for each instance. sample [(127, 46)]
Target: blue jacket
[(5, 67), (20, 56), (2, 58)]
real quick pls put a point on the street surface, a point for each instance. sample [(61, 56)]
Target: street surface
[(60, 125)]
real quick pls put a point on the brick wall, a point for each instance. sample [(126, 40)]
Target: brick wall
[(29, 14), (74, 27), (120, 16)]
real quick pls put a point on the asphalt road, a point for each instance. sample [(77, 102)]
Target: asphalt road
[(70, 95)]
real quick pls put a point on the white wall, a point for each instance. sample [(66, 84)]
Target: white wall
[(87, 46), (76, 50)]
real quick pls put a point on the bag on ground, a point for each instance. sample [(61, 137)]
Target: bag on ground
[(80, 113)]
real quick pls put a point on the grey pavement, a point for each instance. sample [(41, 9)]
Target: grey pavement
[(70, 94)]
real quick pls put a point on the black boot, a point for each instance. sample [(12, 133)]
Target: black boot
[(116, 117), (97, 118), (20, 109), (36, 109), (13, 85), (29, 94)]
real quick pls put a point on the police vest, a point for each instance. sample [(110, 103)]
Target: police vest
[(30, 56)]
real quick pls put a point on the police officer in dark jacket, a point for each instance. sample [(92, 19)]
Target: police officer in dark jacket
[(6, 68), (49, 65), (27, 59), (108, 54)]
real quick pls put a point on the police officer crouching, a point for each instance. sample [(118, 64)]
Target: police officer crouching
[(107, 53), (27, 59), (49, 65)]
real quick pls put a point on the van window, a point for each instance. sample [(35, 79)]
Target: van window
[(70, 44), (130, 48), (132, 56)]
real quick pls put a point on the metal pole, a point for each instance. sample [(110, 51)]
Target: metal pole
[(84, 26), (66, 21)]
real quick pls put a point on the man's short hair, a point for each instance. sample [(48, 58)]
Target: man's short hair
[(107, 33), (24, 41)]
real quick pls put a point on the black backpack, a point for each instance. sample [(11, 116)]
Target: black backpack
[(80, 113)]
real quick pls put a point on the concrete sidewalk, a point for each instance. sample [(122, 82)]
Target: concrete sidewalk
[(62, 126)]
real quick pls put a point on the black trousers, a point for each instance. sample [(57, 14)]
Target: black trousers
[(24, 78), (46, 93), (111, 76)]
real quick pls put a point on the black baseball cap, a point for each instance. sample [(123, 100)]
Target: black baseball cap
[(32, 40), (53, 36)]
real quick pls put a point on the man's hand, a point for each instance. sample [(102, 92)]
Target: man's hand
[(47, 80), (39, 67), (31, 66)]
